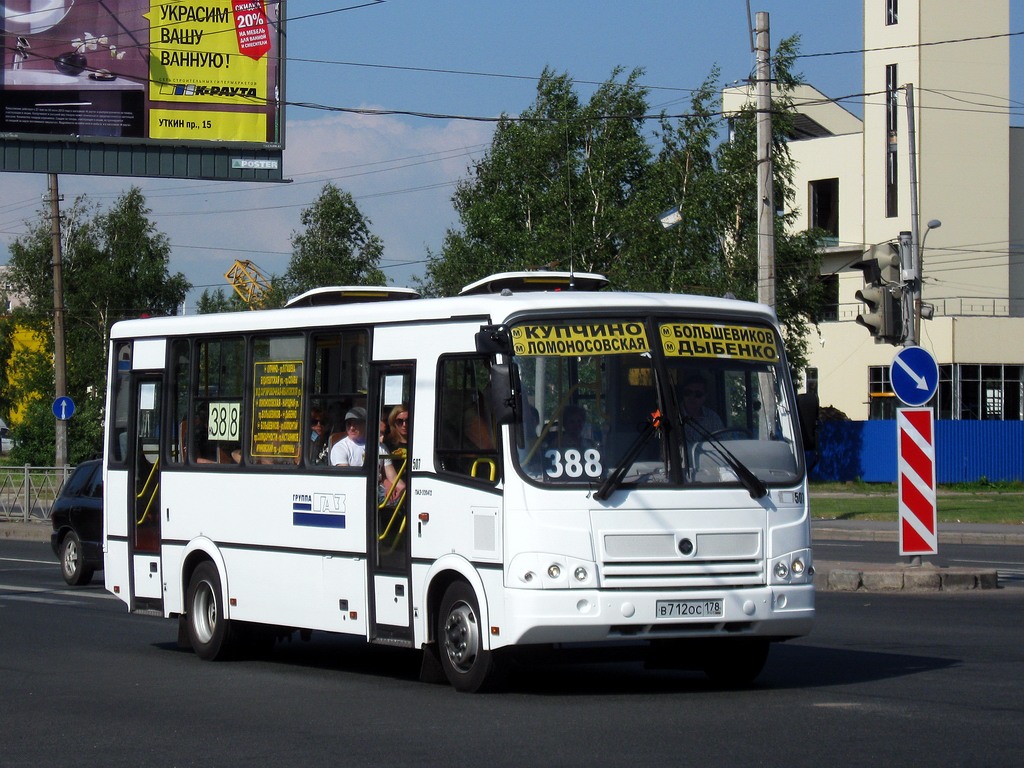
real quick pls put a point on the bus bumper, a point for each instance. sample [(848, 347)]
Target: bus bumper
[(568, 616)]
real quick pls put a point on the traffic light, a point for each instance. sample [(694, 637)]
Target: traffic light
[(883, 294)]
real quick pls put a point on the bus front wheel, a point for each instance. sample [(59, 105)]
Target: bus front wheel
[(466, 664), (209, 631)]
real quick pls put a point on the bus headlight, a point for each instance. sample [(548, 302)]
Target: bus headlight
[(537, 570), (792, 568)]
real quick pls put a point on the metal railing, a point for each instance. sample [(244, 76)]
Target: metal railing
[(27, 493)]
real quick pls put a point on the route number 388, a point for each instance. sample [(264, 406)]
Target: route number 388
[(572, 464)]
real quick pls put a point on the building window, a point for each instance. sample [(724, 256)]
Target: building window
[(882, 401), (991, 392), (976, 392), (944, 393), (891, 138), (828, 311), (812, 381), (892, 12), (825, 208)]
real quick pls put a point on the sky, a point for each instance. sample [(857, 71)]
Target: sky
[(451, 59)]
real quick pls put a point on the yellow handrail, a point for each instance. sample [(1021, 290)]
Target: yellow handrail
[(152, 495), (489, 462), (396, 503)]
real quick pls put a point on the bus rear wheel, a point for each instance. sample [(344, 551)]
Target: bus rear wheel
[(468, 667), (209, 630)]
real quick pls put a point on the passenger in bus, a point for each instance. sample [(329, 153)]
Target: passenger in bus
[(476, 426), (397, 438), (695, 410), (571, 430), (319, 437), (350, 451), (395, 446), (203, 450)]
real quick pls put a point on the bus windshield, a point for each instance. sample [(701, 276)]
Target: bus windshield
[(673, 402)]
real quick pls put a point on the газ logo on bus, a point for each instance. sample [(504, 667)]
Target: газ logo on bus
[(319, 510)]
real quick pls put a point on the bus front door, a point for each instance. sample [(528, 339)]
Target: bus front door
[(144, 504), (389, 508)]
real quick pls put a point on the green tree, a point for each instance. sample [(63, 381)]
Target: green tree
[(336, 246), (115, 266), (568, 184), (219, 301), (564, 184)]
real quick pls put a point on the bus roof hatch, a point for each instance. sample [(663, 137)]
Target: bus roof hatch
[(525, 282)]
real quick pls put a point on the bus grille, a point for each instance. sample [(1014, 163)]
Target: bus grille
[(682, 575)]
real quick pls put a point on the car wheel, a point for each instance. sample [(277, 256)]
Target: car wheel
[(72, 561)]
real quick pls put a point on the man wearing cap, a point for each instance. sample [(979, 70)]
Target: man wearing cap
[(351, 449)]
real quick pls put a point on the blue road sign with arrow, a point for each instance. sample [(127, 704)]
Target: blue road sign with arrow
[(914, 375), (64, 408)]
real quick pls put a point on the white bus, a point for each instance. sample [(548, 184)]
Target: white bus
[(579, 467)]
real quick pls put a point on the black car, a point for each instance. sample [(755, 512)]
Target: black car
[(77, 520)]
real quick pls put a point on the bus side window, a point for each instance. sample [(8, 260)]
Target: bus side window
[(467, 442)]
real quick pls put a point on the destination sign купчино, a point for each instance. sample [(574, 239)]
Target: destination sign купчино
[(616, 338)]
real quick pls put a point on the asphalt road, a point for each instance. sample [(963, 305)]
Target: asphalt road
[(883, 679)]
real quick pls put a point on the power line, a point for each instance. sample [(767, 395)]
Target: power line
[(907, 45)]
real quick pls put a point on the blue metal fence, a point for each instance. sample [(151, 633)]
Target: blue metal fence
[(965, 451)]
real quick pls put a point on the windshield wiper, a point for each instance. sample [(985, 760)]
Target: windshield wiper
[(754, 485), (614, 480)]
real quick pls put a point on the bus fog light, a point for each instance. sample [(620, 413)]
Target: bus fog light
[(781, 570), (528, 577), (580, 573), (554, 571), (798, 567), (583, 606)]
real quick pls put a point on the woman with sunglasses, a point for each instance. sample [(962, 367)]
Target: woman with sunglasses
[(319, 436), (397, 440)]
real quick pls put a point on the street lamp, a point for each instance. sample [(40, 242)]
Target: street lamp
[(918, 308)]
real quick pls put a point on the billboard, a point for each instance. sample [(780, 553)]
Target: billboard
[(197, 80)]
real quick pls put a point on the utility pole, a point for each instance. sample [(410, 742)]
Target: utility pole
[(766, 205), (914, 326), (60, 382)]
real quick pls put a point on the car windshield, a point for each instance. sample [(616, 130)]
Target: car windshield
[(702, 405)]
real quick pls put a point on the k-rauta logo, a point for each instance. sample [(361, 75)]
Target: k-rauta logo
[(192, 90)]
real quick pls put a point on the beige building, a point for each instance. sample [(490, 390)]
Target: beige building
[(853, 180)]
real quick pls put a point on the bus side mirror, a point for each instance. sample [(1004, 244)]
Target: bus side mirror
[(500, 394), (807, 412), (494, 340)]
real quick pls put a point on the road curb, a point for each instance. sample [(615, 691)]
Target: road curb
[(31, 531), (858, 577), (825, 533)]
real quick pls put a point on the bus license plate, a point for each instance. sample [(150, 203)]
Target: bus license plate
[(689, 609)]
